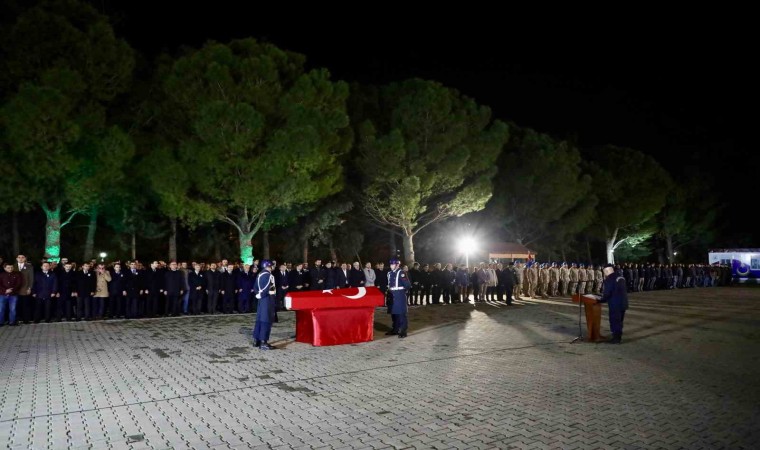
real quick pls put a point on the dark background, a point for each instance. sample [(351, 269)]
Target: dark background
[(676, 85)]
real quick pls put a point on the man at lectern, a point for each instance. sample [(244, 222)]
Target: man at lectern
[(614, 293)]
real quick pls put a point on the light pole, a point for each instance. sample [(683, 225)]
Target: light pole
[(102, 256), (467, 245)]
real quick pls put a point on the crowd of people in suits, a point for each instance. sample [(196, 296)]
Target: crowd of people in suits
[(90, 291)]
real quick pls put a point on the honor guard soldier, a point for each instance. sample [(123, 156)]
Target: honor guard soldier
[(265, 310), (398, 284)]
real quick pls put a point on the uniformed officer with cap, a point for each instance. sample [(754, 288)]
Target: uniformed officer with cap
[(265, 310), (615, 294), (398, 284)]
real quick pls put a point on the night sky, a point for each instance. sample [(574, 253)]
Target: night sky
[(676, 89)]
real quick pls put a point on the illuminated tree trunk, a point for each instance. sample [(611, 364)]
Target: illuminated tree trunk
[(246, 246), (610, 241), (89, 243), (134, 246), (173, 240), (16, 246), (306, 250), (610, 251), (53, 232), (408, 248), (265, 244)]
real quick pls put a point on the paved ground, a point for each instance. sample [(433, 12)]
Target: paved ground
[(483, 376)]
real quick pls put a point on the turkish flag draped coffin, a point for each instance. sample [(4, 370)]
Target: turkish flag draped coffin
[(335, 316), (335, 298)]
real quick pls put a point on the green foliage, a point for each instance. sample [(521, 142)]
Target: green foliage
[(99, 170), (256, 135), (630, 185), (689, 214), (541, 192), (63, 67), (39, 131), (632, 188), (436, 151)]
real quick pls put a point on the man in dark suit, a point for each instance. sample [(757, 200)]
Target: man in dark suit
[(317, 275), (296, 279), (25, 300), (115, 293), (133, 289), (44, 291), (356, 276), (228, 288), (282, 286), (86, 283), (342, 280), (213, 283), (197, 281), (174, 283), (66, 287), (154, 289), (414, 279)]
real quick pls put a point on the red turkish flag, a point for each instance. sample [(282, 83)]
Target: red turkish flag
[(335, 298)]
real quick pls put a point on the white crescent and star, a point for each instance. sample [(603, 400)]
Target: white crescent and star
[(361, 293)]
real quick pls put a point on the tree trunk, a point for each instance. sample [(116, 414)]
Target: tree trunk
[(89, 243), (265, 244), (305, 250), (610, 251), (333, 253), (53, 232), (610, 241), (173, 240), (246, 246), (669, 248), (134, 246), (588, 251), (564, 257), (14, 226), (408, 248)]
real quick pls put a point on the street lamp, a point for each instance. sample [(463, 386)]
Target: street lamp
[(466, 246), (102, 256)]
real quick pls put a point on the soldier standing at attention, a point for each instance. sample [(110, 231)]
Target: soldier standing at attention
[(573, 279), (265, 310), (398, 284), (582, 279)]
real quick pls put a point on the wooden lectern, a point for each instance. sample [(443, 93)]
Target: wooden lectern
[(593, 316)]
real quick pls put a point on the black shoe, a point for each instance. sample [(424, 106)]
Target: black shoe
[(257, 343), (266, 346), (391, 333), (402, 335), (615, 340)]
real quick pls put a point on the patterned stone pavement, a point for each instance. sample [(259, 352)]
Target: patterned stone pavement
[(485, 376)]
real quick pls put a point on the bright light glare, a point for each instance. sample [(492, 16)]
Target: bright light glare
[(102, 254), (467, 245)]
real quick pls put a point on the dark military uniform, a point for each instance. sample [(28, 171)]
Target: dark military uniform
[(265, 310), (398, 284), (616, 296)]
